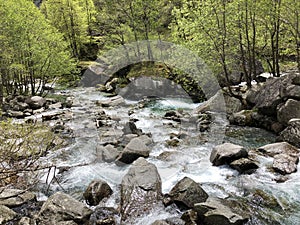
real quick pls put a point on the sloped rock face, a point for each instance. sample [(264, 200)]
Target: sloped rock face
[(186, 193), (133, 150), (61, 207), (217, 211), (291, 133), (226, 153), (289, 110), (140, 190), (269, 96)]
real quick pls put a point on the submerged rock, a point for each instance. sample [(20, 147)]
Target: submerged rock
[(133, 150), (61, 207), (226, 153), (244, 165), (186, 193), (140, 190), (217, 211), (96, 191)]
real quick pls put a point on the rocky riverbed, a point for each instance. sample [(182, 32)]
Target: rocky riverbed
[(156, 161)]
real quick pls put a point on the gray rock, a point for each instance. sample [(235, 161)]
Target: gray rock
[(27, 221), (269, 97), (15, 197), (244, 165), (140, 190), (226, 153), (173, 115), (113, 101), (15, 114), (160, 222), (217, 211), (216, 104), (186, 193), (285, 163), (61, 207), (130, 128), (104, 216), (242, 118), (6, 214), (57, 105), (36, 102), (296, 80), (108, 153), (189, 217), (279, 148), (133, 150), (291, 134), (289, 110), (171, 221), (96, 191), (293, 91), (51, 116)]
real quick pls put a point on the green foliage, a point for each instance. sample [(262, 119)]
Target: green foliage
[(73, 18), (230, 34), (32, 52), (21, 147)]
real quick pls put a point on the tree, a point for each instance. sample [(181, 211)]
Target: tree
[(73, 18), (32, 51), (291, 24)]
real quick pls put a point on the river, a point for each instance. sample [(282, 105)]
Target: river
[(190, 158)]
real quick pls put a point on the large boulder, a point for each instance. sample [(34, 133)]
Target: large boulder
[(279, 148), (140, 190), (186, 193), (227, 153), (270, 95), (133, 150), (289, 110), (217, 211), (285, 163), (286, 156), (6, 214), (291, 134), (36, 102), (14, 197), (96, 191), (61, 207)]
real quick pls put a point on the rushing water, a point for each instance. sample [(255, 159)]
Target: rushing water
[(190, 158)]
